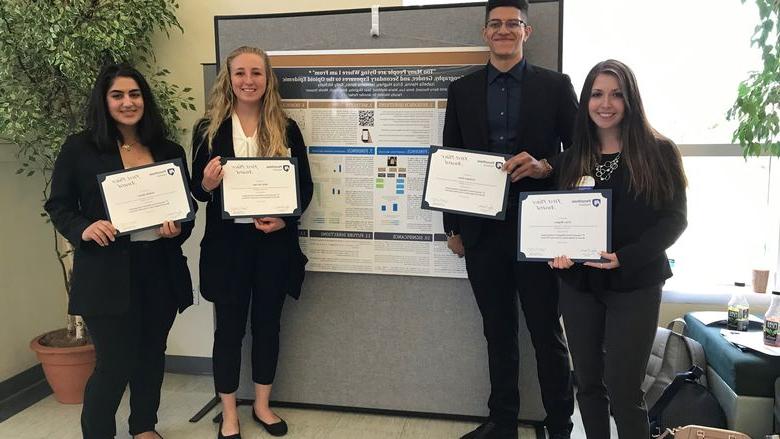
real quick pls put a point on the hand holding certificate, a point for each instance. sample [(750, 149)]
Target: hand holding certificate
[(147, 196), (260, 187), (466, 182), (572, 223)]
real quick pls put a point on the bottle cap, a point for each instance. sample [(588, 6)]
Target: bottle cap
[(739, 284)]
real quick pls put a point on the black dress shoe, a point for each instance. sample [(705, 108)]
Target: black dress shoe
[(275, 429), (560, 436), (492, 430), (232, 436)]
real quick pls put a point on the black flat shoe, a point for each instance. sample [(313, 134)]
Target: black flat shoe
[(275, 429), (155, 432), (232, 436)]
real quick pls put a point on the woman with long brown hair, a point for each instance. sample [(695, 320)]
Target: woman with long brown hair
[(128, 288), (247, 266), (610, 308)]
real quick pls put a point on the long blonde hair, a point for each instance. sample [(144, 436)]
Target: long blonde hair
[(272, 126)]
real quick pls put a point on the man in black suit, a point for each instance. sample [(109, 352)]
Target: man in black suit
[(527, 112)]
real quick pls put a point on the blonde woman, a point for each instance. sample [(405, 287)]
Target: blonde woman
[(247, 266)]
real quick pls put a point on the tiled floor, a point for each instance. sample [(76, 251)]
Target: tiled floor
[(184, 395)]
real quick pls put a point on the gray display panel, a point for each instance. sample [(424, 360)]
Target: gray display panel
[(377, 342)]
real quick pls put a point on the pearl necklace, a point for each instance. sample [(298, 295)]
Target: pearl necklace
[(604, 171)]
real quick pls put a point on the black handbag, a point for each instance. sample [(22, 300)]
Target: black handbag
[(686, 402)]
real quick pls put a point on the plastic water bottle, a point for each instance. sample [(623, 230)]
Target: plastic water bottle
[(772, 321), (738, 312)]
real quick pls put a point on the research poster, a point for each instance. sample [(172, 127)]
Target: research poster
[(368, 119)]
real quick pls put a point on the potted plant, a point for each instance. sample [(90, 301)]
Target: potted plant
[(50, 53), (757, 107)]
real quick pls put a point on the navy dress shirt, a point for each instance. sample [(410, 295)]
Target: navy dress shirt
[(503, 107)]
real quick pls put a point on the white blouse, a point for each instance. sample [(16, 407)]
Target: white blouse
[(244, 146)]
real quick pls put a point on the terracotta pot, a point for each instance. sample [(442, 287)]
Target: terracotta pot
[(67, 369)]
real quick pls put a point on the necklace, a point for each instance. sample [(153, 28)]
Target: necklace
[(127, 146), (604, 170)]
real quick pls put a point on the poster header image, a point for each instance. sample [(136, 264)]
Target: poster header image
[(356, 75)]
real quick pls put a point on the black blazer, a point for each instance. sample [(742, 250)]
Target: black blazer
[(547, 115), (218, 255), (641, 233), (100, 284)]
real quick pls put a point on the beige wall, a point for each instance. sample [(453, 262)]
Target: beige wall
[(183, 55), (32, 295)]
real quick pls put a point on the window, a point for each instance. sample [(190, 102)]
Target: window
[(689, 58), (730, 221)]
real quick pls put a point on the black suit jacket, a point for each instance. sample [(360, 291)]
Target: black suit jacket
[(547, 115), (217, 250), (100, 284)]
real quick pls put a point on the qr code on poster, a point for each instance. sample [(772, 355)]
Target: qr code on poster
[(366, 118)]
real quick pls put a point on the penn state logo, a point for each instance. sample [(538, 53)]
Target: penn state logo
[(171, 171), (286, 167), (499, 165), (596, 202)]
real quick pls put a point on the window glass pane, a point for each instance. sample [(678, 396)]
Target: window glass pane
[(729, 221), (689, 57)]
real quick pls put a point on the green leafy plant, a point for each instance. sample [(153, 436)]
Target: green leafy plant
[(50, 54), (757, 107)]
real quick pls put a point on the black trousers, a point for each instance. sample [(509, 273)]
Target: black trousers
[(261, 275), (611, 335), (130, 349), (498, 281)]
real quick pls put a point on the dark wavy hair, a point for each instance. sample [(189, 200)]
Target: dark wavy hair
[(151, 128), (653, 161), (519, 4)]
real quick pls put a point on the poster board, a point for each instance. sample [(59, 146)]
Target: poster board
[(386, 342)]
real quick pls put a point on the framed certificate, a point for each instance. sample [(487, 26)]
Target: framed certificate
[(257, 186), (145, 197), (466, 182), (577, 224)]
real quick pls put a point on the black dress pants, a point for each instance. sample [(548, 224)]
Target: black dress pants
[(261, 279), (611, 335), (130, 348), (498, 281)]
